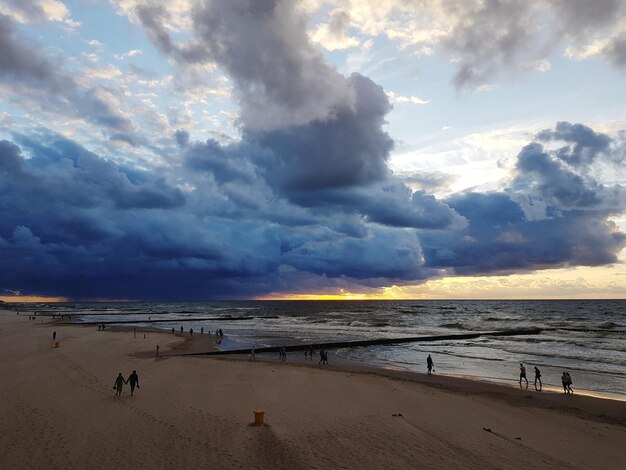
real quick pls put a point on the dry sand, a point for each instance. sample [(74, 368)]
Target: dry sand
[(58, 410)]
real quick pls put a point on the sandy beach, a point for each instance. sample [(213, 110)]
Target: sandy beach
[(59, 410)]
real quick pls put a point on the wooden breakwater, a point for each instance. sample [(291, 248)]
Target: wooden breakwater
[(367, 342)]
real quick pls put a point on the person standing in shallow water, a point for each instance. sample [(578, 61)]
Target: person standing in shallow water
[(430, 364), (133, 380), (119, 384), (538, 379), (522, 375)]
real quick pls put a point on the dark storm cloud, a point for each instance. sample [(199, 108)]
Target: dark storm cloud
[(552, 214), (347, 150), (304, 198), (492, 39), (60, 169), (615, 51), (181, 137), (387, 253), (508, 37), (29, 73), (585, 144), (75, 224), (281, 78)]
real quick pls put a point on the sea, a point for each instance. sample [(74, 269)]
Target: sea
[(586, 338)]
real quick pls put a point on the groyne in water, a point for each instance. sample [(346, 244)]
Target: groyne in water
[(366, 342)]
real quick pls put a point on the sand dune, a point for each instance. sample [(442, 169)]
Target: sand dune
[(59, 411)]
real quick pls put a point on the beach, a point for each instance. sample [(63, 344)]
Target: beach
[(59, 410)]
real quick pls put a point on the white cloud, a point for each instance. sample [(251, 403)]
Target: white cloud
[(5, 119), (39, 11), (394, 98), (108, 72), (333, 35), (178, 11), (131, 53)]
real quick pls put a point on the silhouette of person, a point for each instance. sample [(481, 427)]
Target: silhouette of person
[(430, 364), (564, 382), (283, 353), (119, 384), (190, 331), (202, 330), (325, 357), (252, 354), (538, 379), (133, 380), (181, 329), (522, 375), (54, 335), (568, 383)]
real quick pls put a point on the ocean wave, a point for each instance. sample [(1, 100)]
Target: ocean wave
[(458, 326), (575, 357)]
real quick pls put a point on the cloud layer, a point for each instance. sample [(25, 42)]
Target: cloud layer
[(304, 200), (75, 224)]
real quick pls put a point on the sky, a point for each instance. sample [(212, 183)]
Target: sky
[(282, 149)]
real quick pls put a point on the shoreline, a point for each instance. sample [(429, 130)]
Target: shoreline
[(177, 344), (196, 344), (194, 412)]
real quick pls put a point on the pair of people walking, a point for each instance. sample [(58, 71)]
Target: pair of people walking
[(133, 381), (566, 380), (522, 376)]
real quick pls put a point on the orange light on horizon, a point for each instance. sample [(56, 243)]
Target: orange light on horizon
[(342, 295), (31, 299)]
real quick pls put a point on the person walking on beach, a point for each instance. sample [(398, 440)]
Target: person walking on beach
[(119, 384), (430, 364), (522, 375), (190, 331), (538, 378), (181, 329), (564, 382), (202, 330), (54, 335), (133, 380), (283, 353), (568, 383), (252, 354)]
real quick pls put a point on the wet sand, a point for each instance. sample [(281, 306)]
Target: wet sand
[(59, 411)]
